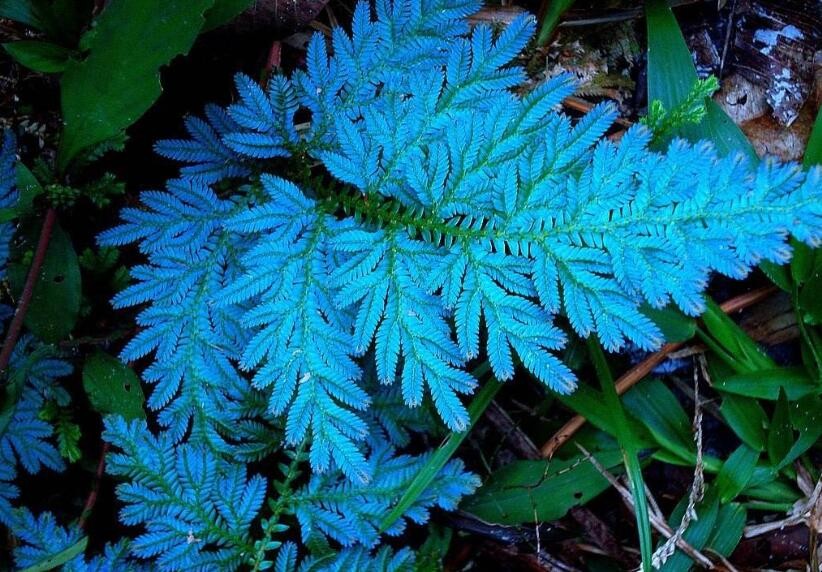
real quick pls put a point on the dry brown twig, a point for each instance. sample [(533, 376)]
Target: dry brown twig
[(642, 369)]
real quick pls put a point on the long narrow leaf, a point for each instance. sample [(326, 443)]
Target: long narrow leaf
[(446, 450)]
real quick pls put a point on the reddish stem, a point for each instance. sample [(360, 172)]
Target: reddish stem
[(95, 488), (28, 290)]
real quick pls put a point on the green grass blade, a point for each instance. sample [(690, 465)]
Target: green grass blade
[(672, 75), (446, 450), (554, 11), (629, 448)]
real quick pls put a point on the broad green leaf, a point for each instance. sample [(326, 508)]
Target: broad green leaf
[(112, 387), (780, 433), (761, 476), (806, 419), (736, 473), (223, 12), (775, 491), (119, 80), (810, 300), (778, 274), (675, 326), (39, 56), (740, 351), (813, 150), (446, 450), (698, 533), (747, 419), (525, 492), (29, 188), (671, 75), (766, 384), (656, 407), (730, 524), (56, 560), (55, 302)]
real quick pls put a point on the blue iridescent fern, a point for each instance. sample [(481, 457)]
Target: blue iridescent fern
[(465, 216)]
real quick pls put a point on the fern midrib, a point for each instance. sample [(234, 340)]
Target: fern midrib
[(205, 517), (388, 213)]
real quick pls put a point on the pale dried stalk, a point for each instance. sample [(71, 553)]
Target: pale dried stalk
[(657, 520), (697, 491)]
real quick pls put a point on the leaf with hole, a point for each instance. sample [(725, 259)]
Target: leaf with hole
[(55, 301), (535, 491), (112, 387)]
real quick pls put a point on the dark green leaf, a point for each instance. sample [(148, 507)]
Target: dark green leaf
[(810, 300), (778, 274), (766, 384), (730, 524), (629, 443), (813, 150), (112, 387), (675, 326), (656, 407), (534, 491), (806, 419), (223, 12), (780, 433), (39, 56), (57, 560), (28, 12), (119, 80), (775, 491), (698, 533), (55, 302), (736, 472), (743, 354), (28, 187), (553, 12), (747, 419), (445, 451)]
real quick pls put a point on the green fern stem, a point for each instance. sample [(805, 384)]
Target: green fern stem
[(278, 507), (389, 213)]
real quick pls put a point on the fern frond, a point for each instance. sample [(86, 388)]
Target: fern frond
[(192, 258), (196, 507), (209, 158), (350, 513), (24, 436), (301, 339)]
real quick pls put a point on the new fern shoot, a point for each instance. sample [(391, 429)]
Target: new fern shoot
[(324, 319)]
